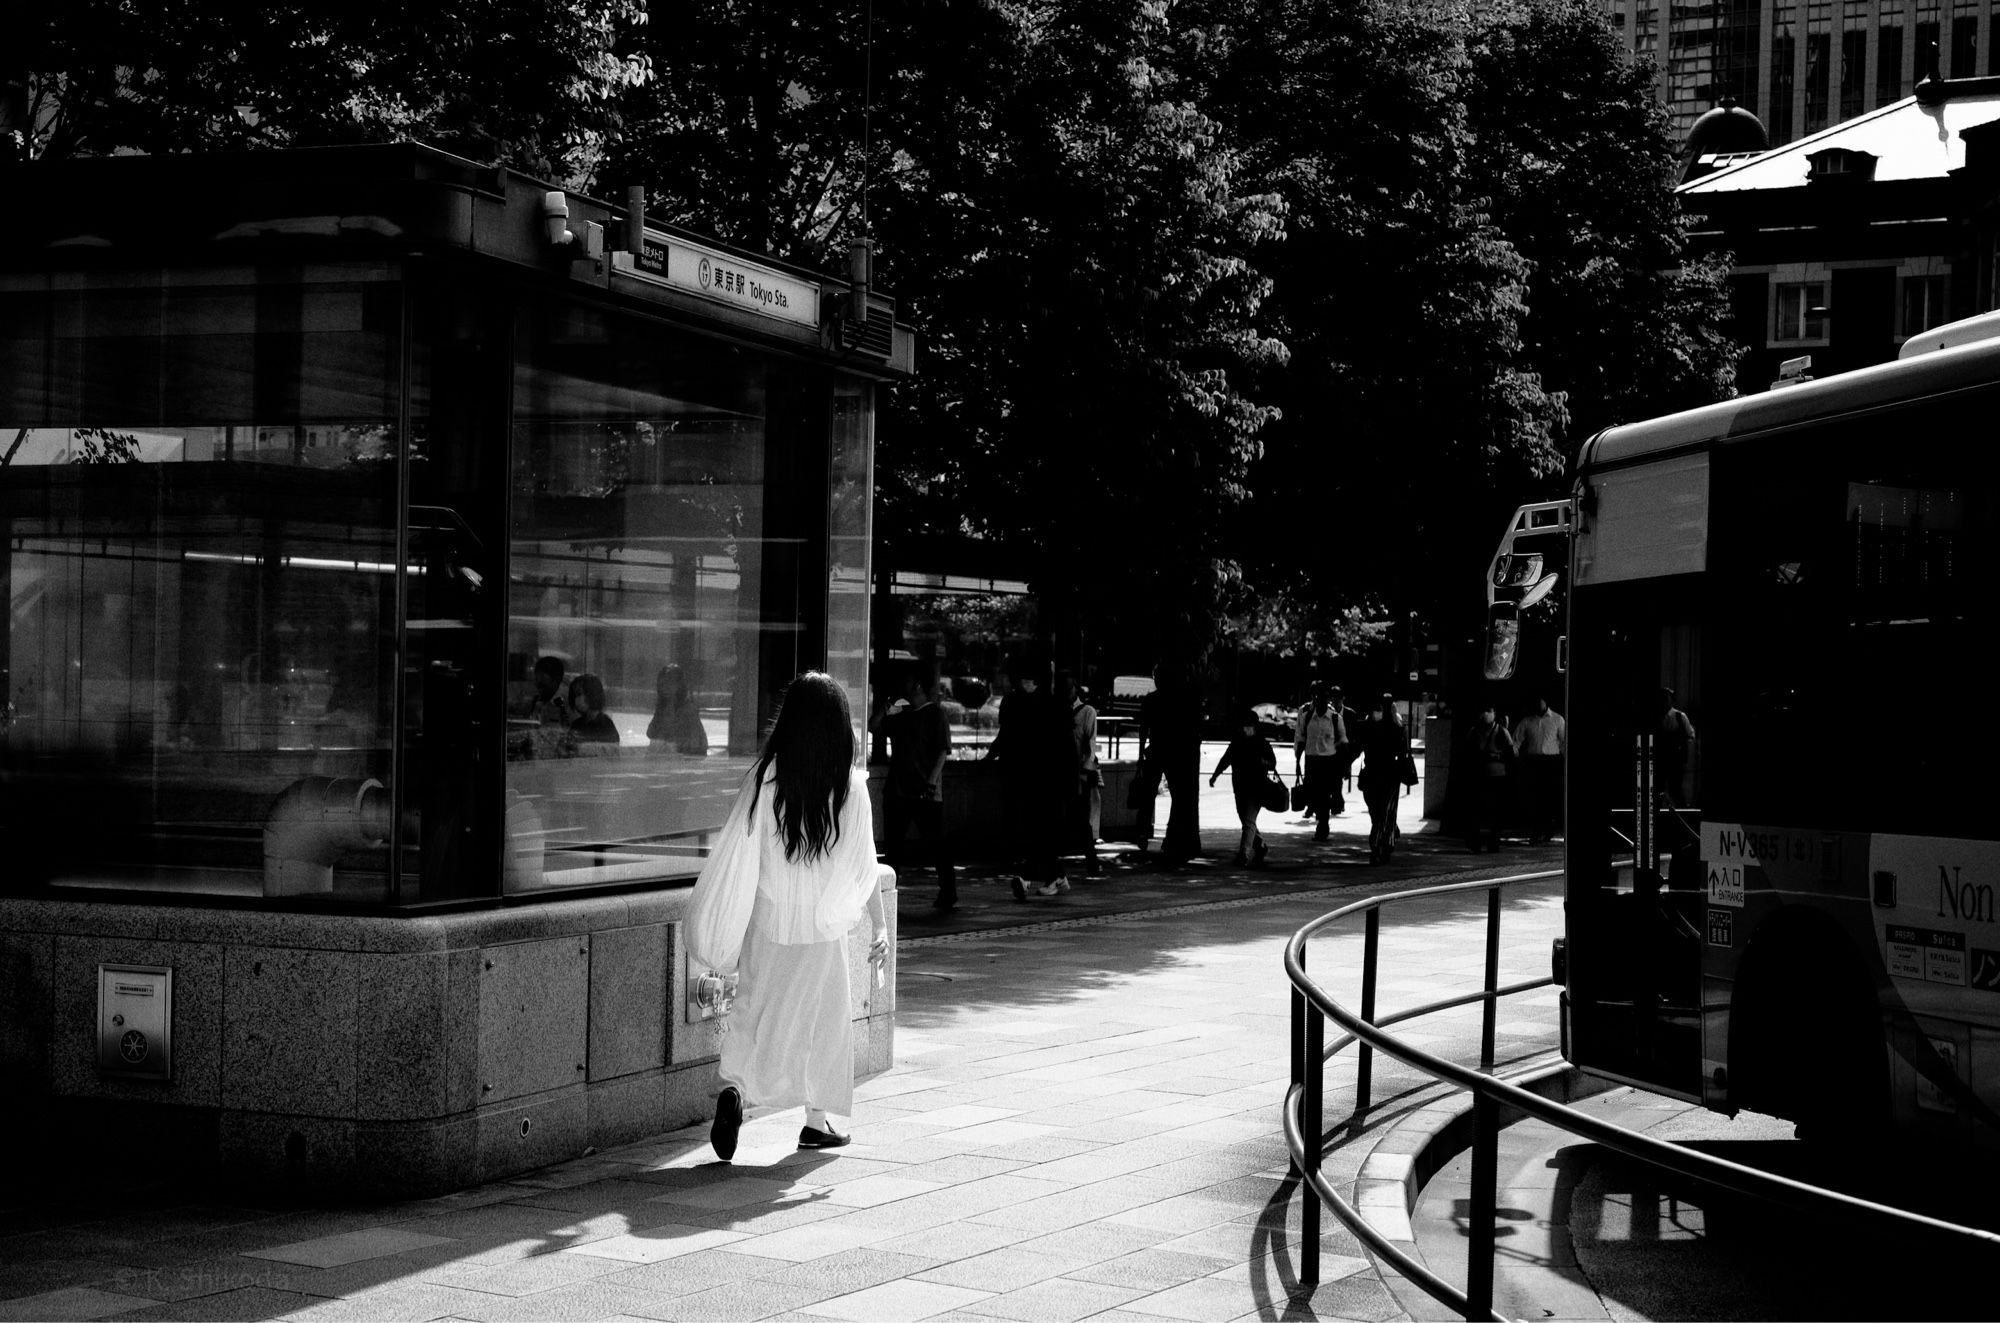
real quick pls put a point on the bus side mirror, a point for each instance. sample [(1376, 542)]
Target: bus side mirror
[(1503, 640), (1517, 569)]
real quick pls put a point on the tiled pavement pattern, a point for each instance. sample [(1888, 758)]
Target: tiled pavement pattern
[(1082, 1124)]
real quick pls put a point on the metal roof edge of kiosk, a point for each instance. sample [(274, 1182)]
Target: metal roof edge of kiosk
[(1949, 357), (404, 197)]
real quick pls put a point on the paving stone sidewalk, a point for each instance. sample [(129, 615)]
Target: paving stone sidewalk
[(1082, 1123)]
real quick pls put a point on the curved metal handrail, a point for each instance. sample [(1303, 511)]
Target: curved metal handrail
[(1312, 1004)]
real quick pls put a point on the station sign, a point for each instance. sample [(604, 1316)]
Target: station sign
[(723, 278)]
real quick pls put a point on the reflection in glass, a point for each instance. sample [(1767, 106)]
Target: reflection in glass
[(850, 502), (197, 499), (653, 609)]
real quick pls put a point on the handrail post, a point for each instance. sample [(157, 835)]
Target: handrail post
[(1371, 944), (1492, 1003), (1312, 1126), (1485, 1196), (1299, 1045)]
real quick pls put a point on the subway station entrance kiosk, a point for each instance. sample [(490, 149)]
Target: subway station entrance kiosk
[(402, 559)]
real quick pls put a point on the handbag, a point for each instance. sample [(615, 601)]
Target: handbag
[(1406, 770), (1299, 795), (1274, 794)]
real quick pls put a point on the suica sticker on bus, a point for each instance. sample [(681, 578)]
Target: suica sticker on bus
[(1934, 899)]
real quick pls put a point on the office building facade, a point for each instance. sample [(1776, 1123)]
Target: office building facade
[(1802, 65)]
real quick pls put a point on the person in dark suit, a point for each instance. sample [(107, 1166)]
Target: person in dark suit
[(1032, 747), (1170, 737)]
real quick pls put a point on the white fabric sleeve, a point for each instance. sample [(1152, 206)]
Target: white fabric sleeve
[(718, 913), (851, 870)]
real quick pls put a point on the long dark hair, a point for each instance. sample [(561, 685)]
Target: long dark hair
[(812, 743)]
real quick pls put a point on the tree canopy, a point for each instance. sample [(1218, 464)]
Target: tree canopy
[(1264, 311), (535, 84), (1486, 264)]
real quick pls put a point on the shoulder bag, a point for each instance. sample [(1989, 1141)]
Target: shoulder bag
[(1273, 794)]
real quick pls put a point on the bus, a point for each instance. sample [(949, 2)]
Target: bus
[(1786, 898)]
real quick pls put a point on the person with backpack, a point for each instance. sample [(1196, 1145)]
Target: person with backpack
[(1319, 745)]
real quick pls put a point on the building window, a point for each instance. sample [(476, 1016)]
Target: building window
[(1889, 66), (1801, 312), (1819, 46), (1964, 46), (1782, 47), (1923, 303), (1853, 70)]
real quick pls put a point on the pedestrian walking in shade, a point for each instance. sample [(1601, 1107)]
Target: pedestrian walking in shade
[(1318, 740), (792, 871), (1492, 760), (1086, 783), (1170, 738), (1383, 744), (1032, 748), (919, 742), (1249, 760), (1541, 738)]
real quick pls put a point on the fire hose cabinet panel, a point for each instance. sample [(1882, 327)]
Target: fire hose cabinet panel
[(135, 1018)]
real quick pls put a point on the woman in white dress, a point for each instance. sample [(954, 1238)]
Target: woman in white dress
[(801, 835)]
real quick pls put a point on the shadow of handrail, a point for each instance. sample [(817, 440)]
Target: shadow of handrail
[(1312, 1006)]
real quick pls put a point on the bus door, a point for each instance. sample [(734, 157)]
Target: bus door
[(1635, 888)]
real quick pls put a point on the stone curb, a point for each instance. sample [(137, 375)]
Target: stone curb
[(1421, 1142)]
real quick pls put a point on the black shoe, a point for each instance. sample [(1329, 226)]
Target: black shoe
[(728, 1120), (947, 897), (813, 1137), (1020, 891), (1258, 851)]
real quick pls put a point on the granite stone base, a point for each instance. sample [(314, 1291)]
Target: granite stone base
[(391, 1057)]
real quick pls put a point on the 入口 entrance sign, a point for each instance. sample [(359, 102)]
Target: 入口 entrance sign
[(727, 279)]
